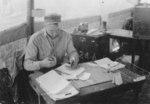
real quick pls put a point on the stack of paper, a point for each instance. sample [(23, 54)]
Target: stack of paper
[(118, 66), (68, 72), (106, 63), (94, 32), (56, 86)]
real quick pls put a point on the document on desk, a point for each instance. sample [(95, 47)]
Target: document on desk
[(66, 69), (92, 64), (97, 75), (67, 92), (94, 32), (106, 63), (56, 86), (85, 76), (52, 82)]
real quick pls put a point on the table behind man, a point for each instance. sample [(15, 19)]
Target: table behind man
[(49, 48)]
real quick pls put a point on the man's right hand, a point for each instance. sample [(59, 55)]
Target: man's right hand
[(48, 62)]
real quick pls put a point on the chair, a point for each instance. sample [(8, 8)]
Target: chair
[(20, 75)]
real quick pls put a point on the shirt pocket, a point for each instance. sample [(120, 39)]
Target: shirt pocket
[(60, 52), (44, 52)]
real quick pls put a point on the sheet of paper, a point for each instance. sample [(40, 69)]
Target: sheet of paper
[(98, 75), (92, 64), (106, 63), (91, 31), (66, 68), (118, 66), (67, 92), (69, 76), (52, 82), (117, 79), (67, 89), (85, 76)]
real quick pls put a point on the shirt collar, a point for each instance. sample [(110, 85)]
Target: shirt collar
[(45, 33)]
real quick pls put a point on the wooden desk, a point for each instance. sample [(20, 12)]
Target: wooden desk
[(121, 34), (100, 89), (124, 36)]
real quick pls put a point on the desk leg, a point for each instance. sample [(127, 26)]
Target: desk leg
[(39, 100), (142, 54)]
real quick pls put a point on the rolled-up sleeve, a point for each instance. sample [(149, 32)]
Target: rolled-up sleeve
[(31, 63)]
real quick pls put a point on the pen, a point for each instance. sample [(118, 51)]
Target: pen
[(68, 94), (72, 62), (62, 72)]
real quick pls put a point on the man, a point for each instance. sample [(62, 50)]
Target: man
[(50, 47)]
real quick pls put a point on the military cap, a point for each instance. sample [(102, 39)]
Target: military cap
[(52, 18)]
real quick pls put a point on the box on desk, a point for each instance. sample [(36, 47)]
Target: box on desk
[(91, 47), (133, 73)]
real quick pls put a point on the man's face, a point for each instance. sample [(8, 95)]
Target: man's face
[(52, 29)]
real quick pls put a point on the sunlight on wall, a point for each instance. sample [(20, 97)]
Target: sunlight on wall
[(80, 8), (13, 12)]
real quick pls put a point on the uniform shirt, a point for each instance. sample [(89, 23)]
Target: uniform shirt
[(41, 46)]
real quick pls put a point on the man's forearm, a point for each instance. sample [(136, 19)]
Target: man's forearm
[(74, 53), (31, 65)]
